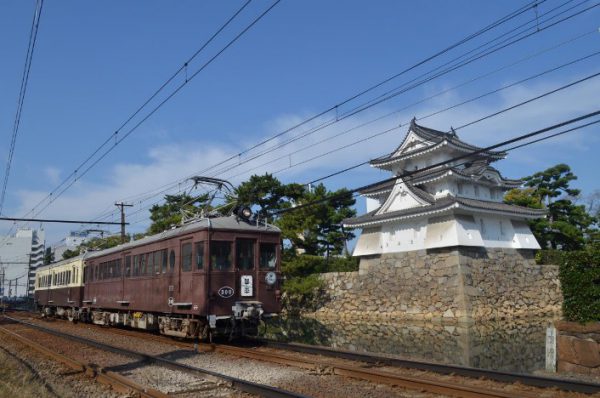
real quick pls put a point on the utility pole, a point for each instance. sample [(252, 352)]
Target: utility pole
[(2, 289), (29, 276), (122, 206)]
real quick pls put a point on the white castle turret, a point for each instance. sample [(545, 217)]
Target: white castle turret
[(457, 204)]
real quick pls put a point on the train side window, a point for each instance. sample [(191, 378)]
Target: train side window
[(172, 260), (119, 268), (157, 262), (150, 264), (163, 260), (199, 255), (268, 255), (142, 264), (136, 265), (186, 257), (220, 255), (245, 254), (127, 266)]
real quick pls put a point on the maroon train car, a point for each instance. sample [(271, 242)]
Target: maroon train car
[(216, 275), (58, 288)]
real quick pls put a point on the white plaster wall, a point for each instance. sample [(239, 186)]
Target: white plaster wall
[(372, 204), (369, 242), (524, 238), (408, 236), (446, 231), (400, 198)]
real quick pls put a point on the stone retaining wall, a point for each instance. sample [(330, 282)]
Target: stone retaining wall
[(578, 348), (456, 284)]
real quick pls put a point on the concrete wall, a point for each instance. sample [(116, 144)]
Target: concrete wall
[(453, 284)]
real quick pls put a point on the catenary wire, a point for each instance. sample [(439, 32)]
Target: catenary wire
[(546, 27), (37, 14), (335, 120), (77, 175), (409, 173)]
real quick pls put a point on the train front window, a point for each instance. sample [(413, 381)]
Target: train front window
[(268, 255), (220, 255), (245, 254), (186, 257)]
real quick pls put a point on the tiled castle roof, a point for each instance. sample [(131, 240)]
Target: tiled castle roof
[(439, 139), (441, 205)]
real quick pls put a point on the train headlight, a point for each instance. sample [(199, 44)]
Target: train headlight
[(244, 212), (271, 278)]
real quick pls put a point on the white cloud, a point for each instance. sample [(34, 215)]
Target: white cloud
[(167, 163)]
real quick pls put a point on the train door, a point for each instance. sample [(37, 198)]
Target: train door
[(245, 265), (185, 288), (126, 274), (222, 281)]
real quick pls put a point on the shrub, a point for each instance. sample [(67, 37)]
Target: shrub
[(303, 294), (580, 281), (305, 265), (303, 290), (549, 256)]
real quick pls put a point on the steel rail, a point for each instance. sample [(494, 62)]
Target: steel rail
[(420, 383), (116, 381), (505, 377), (234, 382)]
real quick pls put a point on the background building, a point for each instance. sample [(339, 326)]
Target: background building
[(71, 242), (20, 255)]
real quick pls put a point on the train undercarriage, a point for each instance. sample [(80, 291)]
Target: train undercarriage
[(244, 321)]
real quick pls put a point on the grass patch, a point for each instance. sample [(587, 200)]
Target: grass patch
[(17, 379)]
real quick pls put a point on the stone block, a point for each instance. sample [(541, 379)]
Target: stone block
[(587, 352), (568, 367)]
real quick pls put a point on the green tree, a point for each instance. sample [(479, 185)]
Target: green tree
[(567, 224), (71, 253), (266, 194), (170, 213), (103, 243), (317, 229)]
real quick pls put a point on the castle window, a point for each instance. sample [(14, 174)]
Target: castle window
[(482, 226), (501, 229), (476, 188), (459, 186)]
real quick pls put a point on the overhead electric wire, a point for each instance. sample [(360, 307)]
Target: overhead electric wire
[(356, 111), (373, 87), (335, 107), (289, 154), (164, 188), (158, 91), (37, 13), (444, 91), (409, 173), (506, 109), (525, 102), (77, 175)]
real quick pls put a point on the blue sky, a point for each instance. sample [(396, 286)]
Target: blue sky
[(96, 62)]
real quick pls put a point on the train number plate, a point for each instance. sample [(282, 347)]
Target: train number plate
[(226, 292)]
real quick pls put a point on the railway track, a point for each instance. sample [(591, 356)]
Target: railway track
[(369, 373), (116, 381), (128, 385), (505, 377)]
